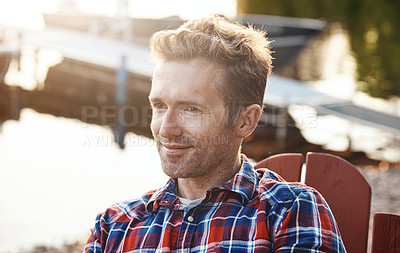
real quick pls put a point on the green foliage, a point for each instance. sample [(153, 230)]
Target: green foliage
[(373, 27)]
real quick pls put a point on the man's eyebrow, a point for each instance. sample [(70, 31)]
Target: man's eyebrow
[(188, 102), (151, 99), (179, 102)]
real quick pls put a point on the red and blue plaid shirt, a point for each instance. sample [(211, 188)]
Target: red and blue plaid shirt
[(256, 211)]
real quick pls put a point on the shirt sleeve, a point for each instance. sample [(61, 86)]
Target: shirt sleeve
[(308, 226), (94, 242)]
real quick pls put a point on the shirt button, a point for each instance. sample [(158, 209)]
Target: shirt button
[(190, 219)]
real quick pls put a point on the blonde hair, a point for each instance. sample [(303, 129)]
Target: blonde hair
[(243, 53)]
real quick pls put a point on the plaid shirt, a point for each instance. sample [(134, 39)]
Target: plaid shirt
[(256, 211)]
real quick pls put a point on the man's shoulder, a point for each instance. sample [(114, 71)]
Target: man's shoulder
[(276, 190), (127, 210)]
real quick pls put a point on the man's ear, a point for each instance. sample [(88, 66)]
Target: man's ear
[(248, 120)]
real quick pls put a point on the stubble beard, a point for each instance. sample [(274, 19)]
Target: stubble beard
[(205, 155)]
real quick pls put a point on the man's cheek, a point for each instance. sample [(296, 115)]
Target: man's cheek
[(155, 126)]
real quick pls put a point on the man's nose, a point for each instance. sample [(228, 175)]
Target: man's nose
[(170, 125)]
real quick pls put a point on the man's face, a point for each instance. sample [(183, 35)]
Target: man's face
[(189, 119)]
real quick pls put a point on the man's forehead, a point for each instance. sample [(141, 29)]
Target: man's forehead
[(179, 97), (197, 65), (186, 77)]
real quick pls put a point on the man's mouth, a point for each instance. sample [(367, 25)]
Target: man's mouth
[(176, 148)]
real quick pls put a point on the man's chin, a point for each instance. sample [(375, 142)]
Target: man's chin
[(174, 170), (173, 159)]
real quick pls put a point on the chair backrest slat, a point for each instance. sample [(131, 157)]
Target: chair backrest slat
[(386, 233), (287, 165), (348, 194)]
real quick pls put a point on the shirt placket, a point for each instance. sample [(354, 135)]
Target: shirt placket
[(188, 229)]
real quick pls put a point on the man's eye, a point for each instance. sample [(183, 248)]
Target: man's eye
[(193, 109), (159, 106)]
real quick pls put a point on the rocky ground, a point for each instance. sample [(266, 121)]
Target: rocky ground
[(384, 180), (385, 184), (75, 247)]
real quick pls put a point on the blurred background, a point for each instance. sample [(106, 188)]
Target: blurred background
[(74, 115)]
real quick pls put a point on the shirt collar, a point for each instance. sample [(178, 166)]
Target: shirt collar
[(243, 184), (165, 196)]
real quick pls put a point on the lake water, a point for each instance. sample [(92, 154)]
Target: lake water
[(56, 174)]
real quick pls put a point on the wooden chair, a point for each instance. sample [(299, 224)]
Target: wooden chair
[(287, 165), (386, 233), (346, 191)]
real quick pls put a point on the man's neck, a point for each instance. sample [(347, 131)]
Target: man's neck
[(195, 188)]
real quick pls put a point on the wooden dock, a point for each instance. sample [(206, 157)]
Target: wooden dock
[(84, 85)]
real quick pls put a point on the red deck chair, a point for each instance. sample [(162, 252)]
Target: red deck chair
[(345, 189)]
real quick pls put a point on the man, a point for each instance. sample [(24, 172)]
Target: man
[(207, 95)]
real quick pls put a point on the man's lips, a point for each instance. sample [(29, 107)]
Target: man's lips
[(176, 148)]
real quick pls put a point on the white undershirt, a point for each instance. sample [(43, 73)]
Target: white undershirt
[(190, 203)]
